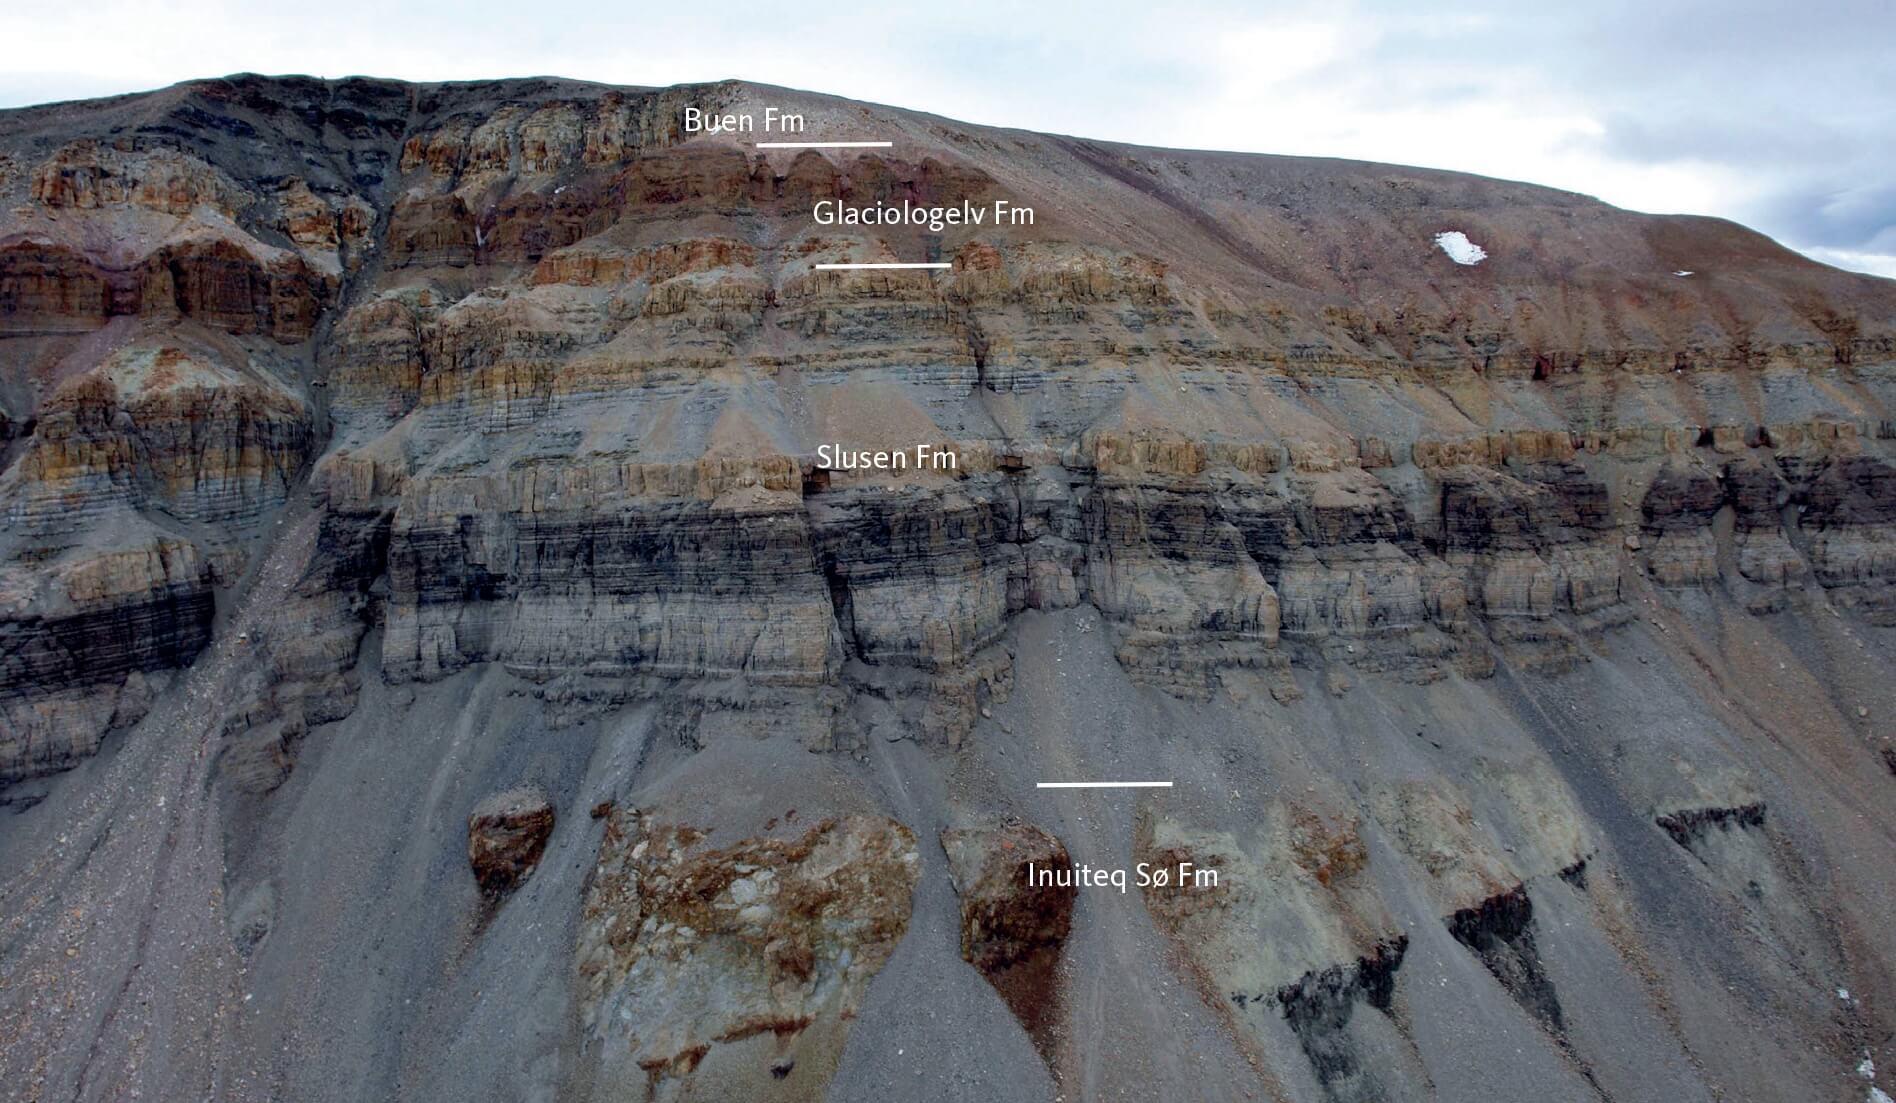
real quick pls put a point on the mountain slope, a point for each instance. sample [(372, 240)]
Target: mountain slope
[(1516, 634)]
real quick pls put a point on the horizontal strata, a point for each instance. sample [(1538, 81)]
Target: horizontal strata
[(573, 365), (784, 584), (495, 406), (76, 654)]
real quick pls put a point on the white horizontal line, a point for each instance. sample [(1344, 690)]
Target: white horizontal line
[(824, 145), (1103, 785), (943, 264)]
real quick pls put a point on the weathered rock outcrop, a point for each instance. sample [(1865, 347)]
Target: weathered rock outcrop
[(1136, 420), (506, 835), (1307, 874), (739, 966), (80, 645), (512, 395), (157, 441), (1012, 928)]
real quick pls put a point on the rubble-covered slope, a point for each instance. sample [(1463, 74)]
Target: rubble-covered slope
[(381, 456)]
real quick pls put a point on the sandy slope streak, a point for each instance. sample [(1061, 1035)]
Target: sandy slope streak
[(125, 979)]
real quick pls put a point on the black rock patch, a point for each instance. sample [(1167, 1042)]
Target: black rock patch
[(1319, 1007), (1693, 824), (1500, 931)]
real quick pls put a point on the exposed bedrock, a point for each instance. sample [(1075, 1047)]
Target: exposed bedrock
[(1318, 1006), (1012, 927), (540, 264), (1317, 874), (227, 283), (187, 429), (131, 499), (1848, 513), (506, 835), (735, 571), (1201, 567), (84, 648), (735, 970), (715, 568), (1677, 513), (1176, 575), (1336, 948), (511, 398), (1500, 930), (684, 589)]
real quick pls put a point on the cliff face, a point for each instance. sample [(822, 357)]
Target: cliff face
[(1506, 601)]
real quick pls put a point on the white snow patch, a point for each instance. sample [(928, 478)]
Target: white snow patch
[(1684, 272), (1878, 1095), (1459, 248), (1843, 993), (1866, 1068)]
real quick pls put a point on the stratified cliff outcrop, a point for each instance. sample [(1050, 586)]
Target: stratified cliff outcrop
[(1515, 633)]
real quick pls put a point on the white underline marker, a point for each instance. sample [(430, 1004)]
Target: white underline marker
[(824, 145), (1102, 785), (833, 267)]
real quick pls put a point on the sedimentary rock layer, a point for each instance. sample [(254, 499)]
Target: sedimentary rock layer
[(1530, 612)]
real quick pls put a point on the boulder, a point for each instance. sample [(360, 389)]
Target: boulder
[(734, 972), (1012, 930), (506, 834)]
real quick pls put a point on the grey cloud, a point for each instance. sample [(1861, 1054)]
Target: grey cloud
[(1798, 100), (1734, 141), (1861, 218)]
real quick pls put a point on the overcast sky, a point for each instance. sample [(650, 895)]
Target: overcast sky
[(1780, 115)]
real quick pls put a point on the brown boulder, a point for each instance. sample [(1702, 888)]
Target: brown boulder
[(506, 834), (1011, 930)]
